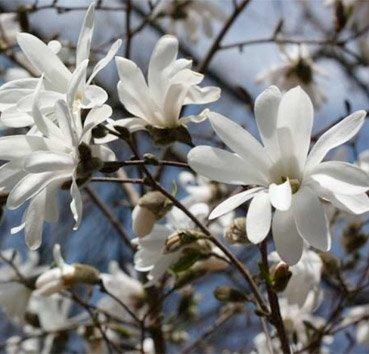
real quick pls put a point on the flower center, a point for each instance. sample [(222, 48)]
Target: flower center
[(294, 183)]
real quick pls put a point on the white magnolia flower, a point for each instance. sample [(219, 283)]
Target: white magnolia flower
[(283, 174), (14, 294), (303, 288), (191, 15), (16, 97), (297, 69), (129, 290), (55, 154), (171, 85), (55, 279), (200, 189), (359, 314), (10, 27), (153, 255)]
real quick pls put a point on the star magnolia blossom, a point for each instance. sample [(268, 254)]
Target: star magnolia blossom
[(154, 257), (40, 164), (16, 97), (14, 295), (124, 287), (359, 315), (297, 68), (171, 85), (191, 15), (283, 174)]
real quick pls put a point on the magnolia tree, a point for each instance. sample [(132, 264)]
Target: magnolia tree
[(237, 237)]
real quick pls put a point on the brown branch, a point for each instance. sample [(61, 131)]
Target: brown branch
[(202, 67), (110, 216), (275, 316)]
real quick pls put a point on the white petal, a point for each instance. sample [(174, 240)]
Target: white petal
[(45, 61), (172, 105), (66, 122), (13, 146), (266, 113), (259, 218), (28, 187), (295, 113), (103, 152), (94, 96), (222, 166), (233, 202), (341, 177), (355, 204), (102, 63), (162, 57), (10, 97), (335, 136), (280, 195), (85, 36), (77, 83), (202, 95), (95, 117), (14, 118), (34, 220), (311, 221), (29, 83), (240, 141), (76, 204), (42, 161), (287, 240)]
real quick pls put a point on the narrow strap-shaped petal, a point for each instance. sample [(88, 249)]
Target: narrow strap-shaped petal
[(95, 117), (76, 205), (287, 240), (223, 166), (45, 61), (266, 114), (341, 177), (102, 63), (85, 36), (354, 204), (311, 221), (295, 114), (42, 161), (241, 142), (335, 136), (77, 83), (259, 218), (234, 202)]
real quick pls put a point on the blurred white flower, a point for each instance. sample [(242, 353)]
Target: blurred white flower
[(200, 189), (297, 69), (360, 315), (14, 293), (55, 279), (18, 345), (129, 290), (51, 155), (10, 27), (303, 288), (171, 85), (154, 254), (16, 74), (16, 97), (191, 15), (282, 172)]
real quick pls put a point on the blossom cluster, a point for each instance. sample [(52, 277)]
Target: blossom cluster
[(280, 188)]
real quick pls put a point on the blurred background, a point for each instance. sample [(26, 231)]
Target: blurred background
[(343, 80)]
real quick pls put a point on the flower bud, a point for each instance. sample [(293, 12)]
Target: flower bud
[(166, 136), (63, 275), (182, 238), (150, 208), (236, 232), (227, 294), (281, 276)]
